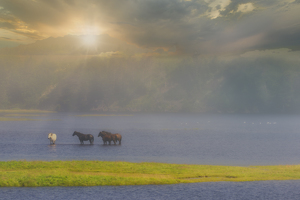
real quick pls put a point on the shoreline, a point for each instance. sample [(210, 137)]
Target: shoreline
[(115, 173)]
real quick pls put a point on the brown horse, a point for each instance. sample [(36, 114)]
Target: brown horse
[(84, 137), (118, 137), (107, 137)]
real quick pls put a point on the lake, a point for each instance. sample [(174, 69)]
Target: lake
[(172, 138), (263, 190), (239, 140)]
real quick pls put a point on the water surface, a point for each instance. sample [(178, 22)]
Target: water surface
[(263, 190), (172, 138)]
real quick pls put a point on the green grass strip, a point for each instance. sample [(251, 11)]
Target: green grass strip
[(95, 173)]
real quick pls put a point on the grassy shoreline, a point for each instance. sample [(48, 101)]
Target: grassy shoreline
[(100, 173)]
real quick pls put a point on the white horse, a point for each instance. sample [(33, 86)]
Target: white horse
[(52, 137)]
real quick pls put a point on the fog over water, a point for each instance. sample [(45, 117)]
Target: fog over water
[(173, 138)]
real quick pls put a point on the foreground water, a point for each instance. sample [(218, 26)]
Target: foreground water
[(264, 190), (172, 138)]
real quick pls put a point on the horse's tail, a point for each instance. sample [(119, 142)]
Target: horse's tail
[(92, 138), (118, 137)]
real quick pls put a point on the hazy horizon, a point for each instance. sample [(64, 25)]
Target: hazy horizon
[(174, 56)]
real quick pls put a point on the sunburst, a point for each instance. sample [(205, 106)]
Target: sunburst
[(89, 40)]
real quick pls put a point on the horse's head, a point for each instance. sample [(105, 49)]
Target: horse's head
[(75, 133), (49, 135), (100, 134)]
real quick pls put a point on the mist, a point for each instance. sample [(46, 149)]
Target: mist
[(203, 56), (254, 82)]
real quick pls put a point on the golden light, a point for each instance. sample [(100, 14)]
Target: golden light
[(89, 34), (89, 40)]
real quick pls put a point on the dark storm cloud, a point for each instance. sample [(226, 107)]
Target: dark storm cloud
[(159, 24), (186, 25), (268, 26), (234, 4)]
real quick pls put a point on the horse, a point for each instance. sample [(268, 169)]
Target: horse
[(118, 137), (84, 137), (52, 137), (107, 137)]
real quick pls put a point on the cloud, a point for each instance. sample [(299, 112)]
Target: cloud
[(216, 7), (247, 7), (190, 27)]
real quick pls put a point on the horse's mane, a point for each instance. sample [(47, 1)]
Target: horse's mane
[(106, 132), (78, 133)]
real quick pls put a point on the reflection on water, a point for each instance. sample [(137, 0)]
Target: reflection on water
[(52, 148), (264, 190)]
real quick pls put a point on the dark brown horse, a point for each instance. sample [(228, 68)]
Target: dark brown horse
[(84, 137), (107, 137)]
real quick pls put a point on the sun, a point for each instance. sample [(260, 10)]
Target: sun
[(89, 35), (89, 40)]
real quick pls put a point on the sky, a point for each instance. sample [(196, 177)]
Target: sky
[(180, 27)]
